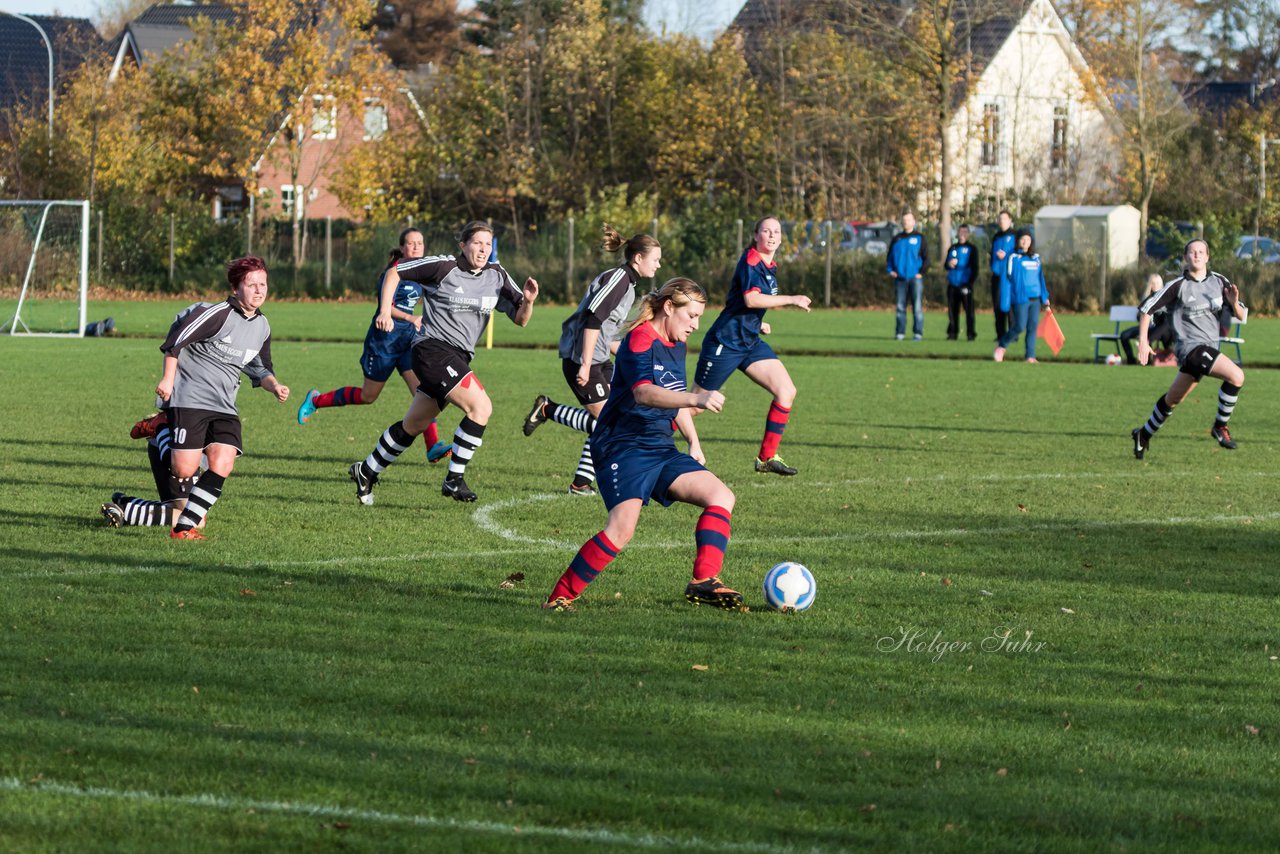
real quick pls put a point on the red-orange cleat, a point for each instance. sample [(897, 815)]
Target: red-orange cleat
[(189, 534), (148, 427)]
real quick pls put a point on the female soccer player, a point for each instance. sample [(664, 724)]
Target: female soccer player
[(1200, 302), (1022, 290), (588, 338), (385, 352), (459, 294), (632, 445), (734, 343), (207, 348)]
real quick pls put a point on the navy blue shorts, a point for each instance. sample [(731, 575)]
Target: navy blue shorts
[(387, 352), (717, 362), (630, 472)]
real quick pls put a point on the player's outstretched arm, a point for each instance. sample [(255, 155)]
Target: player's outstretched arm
[(386, 299), (755, 299)]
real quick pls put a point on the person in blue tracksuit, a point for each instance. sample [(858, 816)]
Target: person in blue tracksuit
[(962, 272), (1022, 293), (1002, 246), (908, 259)]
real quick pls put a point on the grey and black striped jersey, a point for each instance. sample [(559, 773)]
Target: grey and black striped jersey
[(1198, 309), (214, 343), (456, 303), (605, 306)]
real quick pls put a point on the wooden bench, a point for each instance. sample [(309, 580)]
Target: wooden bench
[(1120, 315)]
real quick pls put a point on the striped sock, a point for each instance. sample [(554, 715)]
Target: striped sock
[(203, 496), (595, 554), (144, 513), (466, 441), (1161, 411), (572, 417), (774, 424), (712, 538), (164, 443), (391, 444), (348, 395), (1227, 397), (586, 472)]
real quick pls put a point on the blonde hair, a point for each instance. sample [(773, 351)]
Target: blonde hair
[(640, 244), (679, 291)]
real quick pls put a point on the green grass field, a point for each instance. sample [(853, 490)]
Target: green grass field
[(320, 674)]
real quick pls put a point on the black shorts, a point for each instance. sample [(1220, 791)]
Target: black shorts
[(439, 368), (197, 429), (1199, 361), (597, 388)]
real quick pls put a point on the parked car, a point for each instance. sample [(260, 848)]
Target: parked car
[(1265, 249)]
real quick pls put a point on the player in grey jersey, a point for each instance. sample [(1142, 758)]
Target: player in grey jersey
[(1200, 302), (459, 295), (588, 338), (208, 347)]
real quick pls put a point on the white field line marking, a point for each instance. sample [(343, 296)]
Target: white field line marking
[(220, 802), (486, 522)]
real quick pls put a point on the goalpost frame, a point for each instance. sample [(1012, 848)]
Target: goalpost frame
[(83, 289)]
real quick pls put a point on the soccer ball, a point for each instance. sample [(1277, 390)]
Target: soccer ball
[(1113, 358), (789, 587)]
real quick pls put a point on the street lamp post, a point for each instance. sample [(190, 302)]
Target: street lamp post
[(48, 45), (1263, 142)]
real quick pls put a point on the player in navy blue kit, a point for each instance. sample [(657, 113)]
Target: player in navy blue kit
[(636, 458), (459, 295), (588, 337), (386, 352), (734, 343)]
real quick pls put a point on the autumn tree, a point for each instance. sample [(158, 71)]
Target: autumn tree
[(1128, 43)]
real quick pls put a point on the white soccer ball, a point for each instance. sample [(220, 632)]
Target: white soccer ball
[(1113, 358), (789, 587)]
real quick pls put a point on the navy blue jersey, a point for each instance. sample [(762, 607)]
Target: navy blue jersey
[(739, 326), (643, 357), (405, 297)]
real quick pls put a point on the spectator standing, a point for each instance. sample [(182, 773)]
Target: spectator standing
[(1002, 246), (908, 259), (962, 272)]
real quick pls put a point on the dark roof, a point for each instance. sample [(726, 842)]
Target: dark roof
[(24, 60), (164, 26), (984, 40), (1218, 98)]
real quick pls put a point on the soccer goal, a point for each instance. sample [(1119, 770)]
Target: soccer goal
[(44, 265)]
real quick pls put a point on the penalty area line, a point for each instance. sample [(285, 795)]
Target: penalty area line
[(328, 811)]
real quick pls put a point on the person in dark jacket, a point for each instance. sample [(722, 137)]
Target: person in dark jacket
[(908, 259), (962, 272), (1161, 325), (1002, 246)]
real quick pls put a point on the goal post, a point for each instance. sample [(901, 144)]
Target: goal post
[(44, 259)]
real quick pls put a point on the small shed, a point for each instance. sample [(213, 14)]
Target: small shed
[(1089, 232)]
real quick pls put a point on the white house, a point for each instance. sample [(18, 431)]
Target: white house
[(1029, 120)]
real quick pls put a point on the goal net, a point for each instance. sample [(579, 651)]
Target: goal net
[(44, 267)]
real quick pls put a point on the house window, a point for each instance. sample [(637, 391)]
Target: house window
[(991, 135), (324, 121), (375, 120), (1058, 145), (291, 200)]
